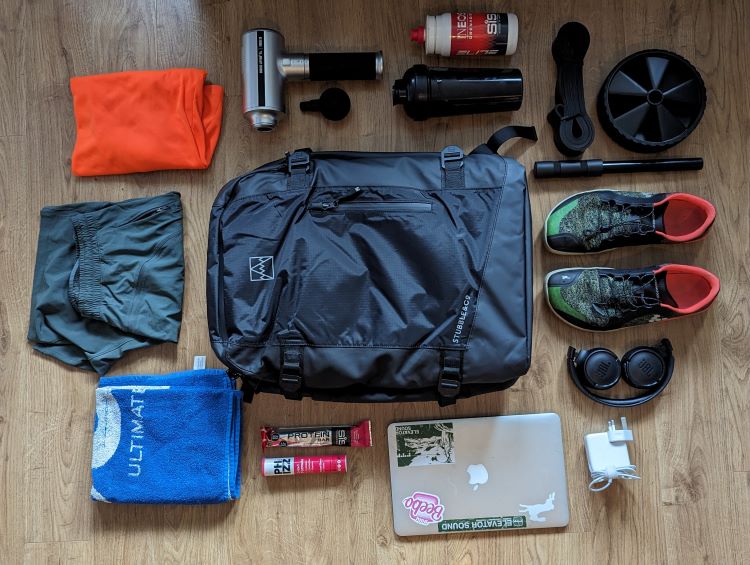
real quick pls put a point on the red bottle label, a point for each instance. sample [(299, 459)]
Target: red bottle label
[(479, 33)]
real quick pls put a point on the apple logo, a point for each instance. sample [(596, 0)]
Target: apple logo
[(478, 475)]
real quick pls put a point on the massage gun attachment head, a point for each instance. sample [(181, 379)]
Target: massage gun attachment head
[(265, 67)]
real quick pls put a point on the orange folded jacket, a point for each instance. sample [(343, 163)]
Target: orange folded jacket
[(139, 121)]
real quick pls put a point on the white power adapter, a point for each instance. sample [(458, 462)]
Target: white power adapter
[(608, 456)]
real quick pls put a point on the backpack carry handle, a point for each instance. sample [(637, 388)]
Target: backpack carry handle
[(505, 134)]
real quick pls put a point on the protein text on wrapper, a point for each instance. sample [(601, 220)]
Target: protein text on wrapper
[(357, 435)]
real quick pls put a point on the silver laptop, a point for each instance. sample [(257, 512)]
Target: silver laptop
[(478, 474)]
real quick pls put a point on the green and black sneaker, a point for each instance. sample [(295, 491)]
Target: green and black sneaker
[(601, 299), (600, 220)]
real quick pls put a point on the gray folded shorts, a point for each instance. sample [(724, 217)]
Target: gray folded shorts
[(109, 277)]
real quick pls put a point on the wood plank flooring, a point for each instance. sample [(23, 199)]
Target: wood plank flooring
[(692, 445)]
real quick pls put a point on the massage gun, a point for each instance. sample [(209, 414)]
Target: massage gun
[(265, 67)]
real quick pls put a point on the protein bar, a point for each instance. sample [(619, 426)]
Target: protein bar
[(356, 435)]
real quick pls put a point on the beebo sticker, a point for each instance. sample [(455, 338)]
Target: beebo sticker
[(424, 508), (425, 444)]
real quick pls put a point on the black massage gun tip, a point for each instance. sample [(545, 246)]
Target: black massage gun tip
[(333, 103)]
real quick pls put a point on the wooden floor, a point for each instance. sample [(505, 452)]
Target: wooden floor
[(692, 445)]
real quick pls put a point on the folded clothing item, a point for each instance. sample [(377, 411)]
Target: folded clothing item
[(167, 439), (140, 121), (109, 278)]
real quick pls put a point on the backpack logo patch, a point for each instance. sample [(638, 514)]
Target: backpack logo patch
[(261, 268)]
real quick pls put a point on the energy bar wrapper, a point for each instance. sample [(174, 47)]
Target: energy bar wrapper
[(356, 435)]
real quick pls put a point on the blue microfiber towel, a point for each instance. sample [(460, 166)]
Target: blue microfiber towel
[(167, 439)]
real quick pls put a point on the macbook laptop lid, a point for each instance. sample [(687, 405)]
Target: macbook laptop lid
[(477, 474)]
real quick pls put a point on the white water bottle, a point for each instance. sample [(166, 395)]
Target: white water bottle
[(468, 33)]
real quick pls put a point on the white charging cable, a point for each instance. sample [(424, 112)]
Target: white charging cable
[(608, 456)]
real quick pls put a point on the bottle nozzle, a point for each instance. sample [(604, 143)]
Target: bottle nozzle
[(417, 34), (399, 92)]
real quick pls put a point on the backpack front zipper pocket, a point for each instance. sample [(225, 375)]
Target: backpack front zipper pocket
[(344, 204), (355, 266), (343, 207)]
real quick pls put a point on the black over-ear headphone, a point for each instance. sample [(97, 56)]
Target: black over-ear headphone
[(646, 368)]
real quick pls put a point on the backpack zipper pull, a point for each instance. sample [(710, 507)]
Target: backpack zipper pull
[(323, 206), (351, 195), (327, 205)]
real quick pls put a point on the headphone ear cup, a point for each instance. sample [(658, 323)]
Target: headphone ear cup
[(598, 368), (643, 367)]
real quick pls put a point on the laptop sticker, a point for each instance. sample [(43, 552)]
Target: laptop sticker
[(425, 444), (424, 508), (482, 524), (533, 510)]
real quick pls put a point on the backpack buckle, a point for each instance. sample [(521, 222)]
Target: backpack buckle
[(452, 153), (452, 163), (451, 376), (290, 373), (290, 377), (297, 162)]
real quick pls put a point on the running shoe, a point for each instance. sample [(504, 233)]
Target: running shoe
[(600, 220), (601, 299)]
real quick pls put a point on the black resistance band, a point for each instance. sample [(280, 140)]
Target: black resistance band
[(574, 130)]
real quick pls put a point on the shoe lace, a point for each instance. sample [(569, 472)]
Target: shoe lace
[(640, 220), (627, 293)]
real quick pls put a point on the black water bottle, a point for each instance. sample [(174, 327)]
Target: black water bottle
[(428, 92)]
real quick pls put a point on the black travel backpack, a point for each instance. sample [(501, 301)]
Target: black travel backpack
[(370, 277)]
